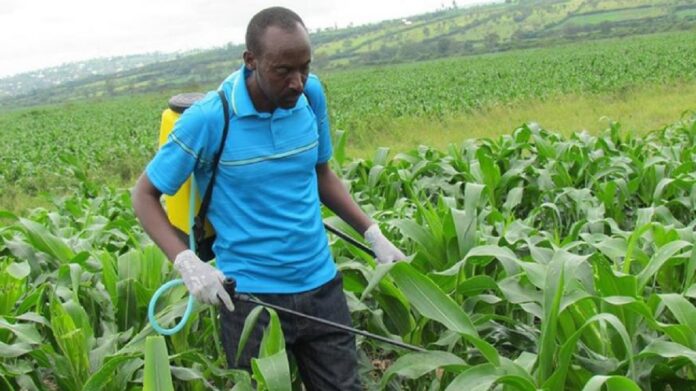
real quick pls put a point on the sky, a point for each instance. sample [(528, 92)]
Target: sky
[(37, 34)]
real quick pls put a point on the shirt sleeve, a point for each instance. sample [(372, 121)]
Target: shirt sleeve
[(317, 100), (185, 150)]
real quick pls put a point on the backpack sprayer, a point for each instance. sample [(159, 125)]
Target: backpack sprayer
[(180, 211)]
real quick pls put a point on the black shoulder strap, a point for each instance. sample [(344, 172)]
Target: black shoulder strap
[(198, 225)]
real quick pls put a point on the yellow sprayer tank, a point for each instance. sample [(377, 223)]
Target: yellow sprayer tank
[(177, 206)]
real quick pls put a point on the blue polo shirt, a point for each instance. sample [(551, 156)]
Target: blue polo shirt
[(265, 206)]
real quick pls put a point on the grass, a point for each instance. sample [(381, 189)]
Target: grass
[(686, 13), (638, 110), (614, 16)]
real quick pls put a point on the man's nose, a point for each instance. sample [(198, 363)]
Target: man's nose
[(296, 82)]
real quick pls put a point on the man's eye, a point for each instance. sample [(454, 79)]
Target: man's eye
[(282, 70)]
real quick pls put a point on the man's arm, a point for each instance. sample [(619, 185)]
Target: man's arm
[(153, 218), (335, 196), (202, 280)]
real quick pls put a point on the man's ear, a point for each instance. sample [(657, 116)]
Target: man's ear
[(249, 60)]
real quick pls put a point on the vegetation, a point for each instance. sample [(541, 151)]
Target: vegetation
[(439, 88), (32, 82), (42, 147), (538, 261), (540, 258), (375, 104)]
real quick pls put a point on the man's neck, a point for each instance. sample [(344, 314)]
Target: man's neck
[(258, 98)]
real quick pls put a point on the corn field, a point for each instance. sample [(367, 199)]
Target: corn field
[(537, 262), (40, 146)]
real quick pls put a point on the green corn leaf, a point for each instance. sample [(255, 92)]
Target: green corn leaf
[(33, 301), (429, 300), (109, 275), (639, 307), (249, 325), (128, 273), (667, 350), (153, 269), (158, 375), (490, 173), (189, 374), (18, 270), (373, 178), (242, 386), (33, 317), (397, 312), (691, 265), (381, 156), (415, 365), (70, 276), (72, 341), (100, 379), (13, 283), (43, 240), (380, 271), (472, 196), (14, 350), (557, 380), (81, 320), (513, 199), (26, 333), (476, 285), (680, 334), (272, 372), (613, 248), (553, 293), (508, 260), (662, 256), (614, 283), (432, 303), (431, 250), (610, 383), (483, 376), (273, 340), (516, 292), (482, 255), (682, 309), (465, 226)]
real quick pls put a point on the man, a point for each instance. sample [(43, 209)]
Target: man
[(265, 206)]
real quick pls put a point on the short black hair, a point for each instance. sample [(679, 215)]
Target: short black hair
[(273, 16)]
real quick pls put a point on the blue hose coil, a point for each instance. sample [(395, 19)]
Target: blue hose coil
[(153, 303), (171, 284)]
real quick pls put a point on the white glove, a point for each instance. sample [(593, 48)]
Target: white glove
[(384, 250), (203, 281)]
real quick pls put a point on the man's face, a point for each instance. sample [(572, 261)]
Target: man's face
[(282, 67)]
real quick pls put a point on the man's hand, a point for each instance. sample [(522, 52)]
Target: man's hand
[(203, 281), (384, 250)]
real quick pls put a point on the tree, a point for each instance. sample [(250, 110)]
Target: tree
[(491, 41), (443, 45)]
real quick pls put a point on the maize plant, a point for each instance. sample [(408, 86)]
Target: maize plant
[(537, 262)]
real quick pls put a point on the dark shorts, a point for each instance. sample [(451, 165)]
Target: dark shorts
[(326, 357)]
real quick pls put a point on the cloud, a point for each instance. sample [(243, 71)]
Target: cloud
[(8, 7), (38, 33)]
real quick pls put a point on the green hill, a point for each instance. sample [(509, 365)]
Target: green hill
[(448, 32)]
